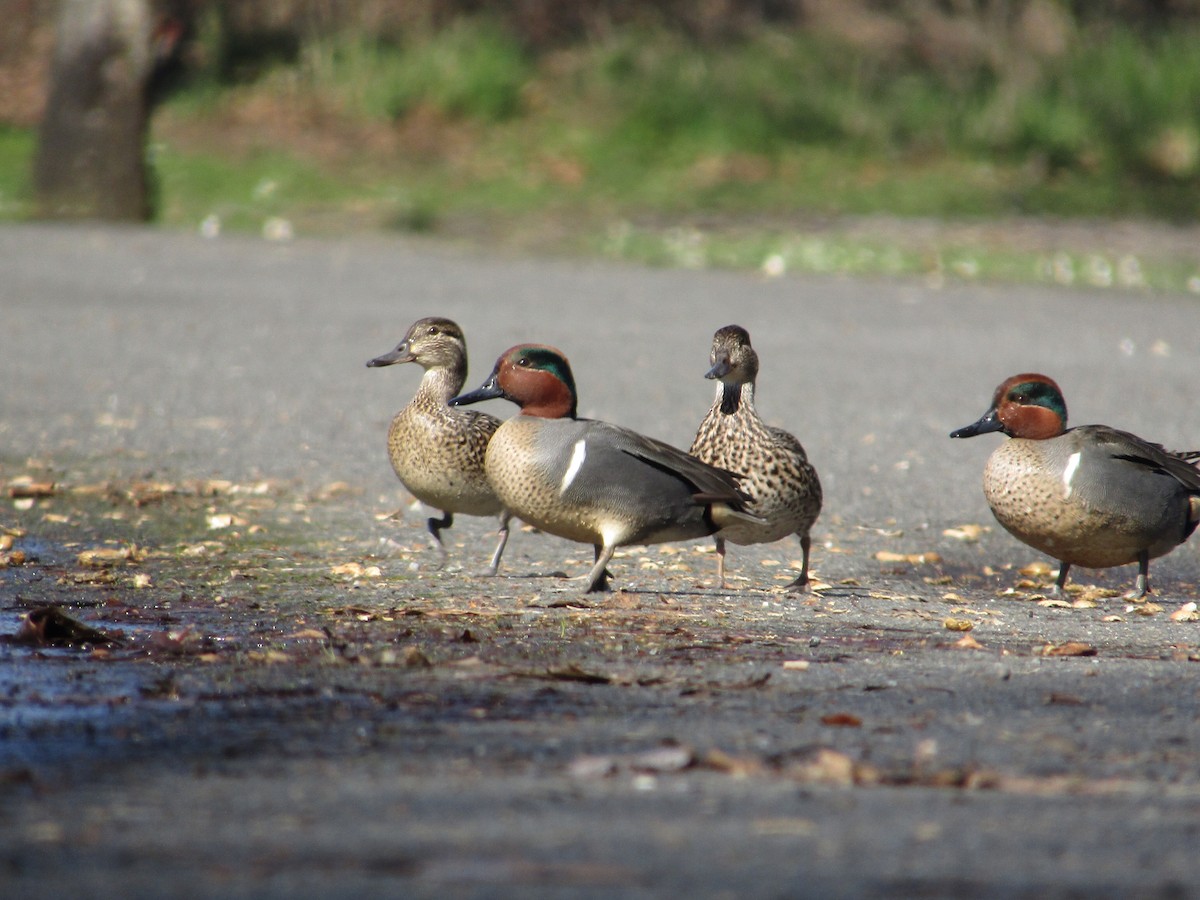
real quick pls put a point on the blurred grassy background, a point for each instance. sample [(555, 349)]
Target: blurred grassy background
[(719, 133)]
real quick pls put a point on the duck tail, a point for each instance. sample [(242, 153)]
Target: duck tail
[(723, 515)]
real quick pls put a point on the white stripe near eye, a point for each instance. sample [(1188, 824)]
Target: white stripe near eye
[(578, 455)]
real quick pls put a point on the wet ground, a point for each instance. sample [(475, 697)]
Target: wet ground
[(283, 695)]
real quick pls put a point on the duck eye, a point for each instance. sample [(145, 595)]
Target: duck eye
[(523, 362), (433, 329)]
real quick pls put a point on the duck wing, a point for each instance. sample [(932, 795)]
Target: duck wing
[(1133, 449), (709, 484)]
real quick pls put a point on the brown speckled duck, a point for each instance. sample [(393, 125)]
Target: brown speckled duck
[(1089, 496), (589, 481), (438, 451), (771, 464)]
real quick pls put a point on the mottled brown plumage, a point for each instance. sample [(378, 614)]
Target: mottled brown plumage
[(437, 451), (771, 465)]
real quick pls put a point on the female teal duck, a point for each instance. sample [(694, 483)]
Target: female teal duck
[(1091, 495), (771, 464), (590, 481), (436, 451)]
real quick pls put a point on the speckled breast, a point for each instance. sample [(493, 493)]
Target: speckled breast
[(441, 462), (1053, 496)]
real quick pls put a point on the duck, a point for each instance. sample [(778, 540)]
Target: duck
[(772, 466), (437, 451), (591, 481), (1089, 496)]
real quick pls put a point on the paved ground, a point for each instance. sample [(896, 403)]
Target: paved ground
[(301, 706)]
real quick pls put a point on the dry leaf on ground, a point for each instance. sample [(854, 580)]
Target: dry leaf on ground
[(1069, 648), (914, 558), (841, 720), (1186, 613)]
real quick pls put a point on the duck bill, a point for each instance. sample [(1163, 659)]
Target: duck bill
[(988, 422), (489, 390), (400, 355), (720, 368)]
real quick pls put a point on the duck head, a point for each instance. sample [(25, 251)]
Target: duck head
[(431, 342), (1026, 406), (535, 377), (733, 359)]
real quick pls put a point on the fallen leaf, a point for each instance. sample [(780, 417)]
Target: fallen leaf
[(951, 624), (914, 558), (1185, 613), (27, 488), (1057, 699), (737, 766), (968, 534), (413, 658), (180, 641), (143, 493), (110, 556), (1040, 567), (827, 767), (796, 664), (270, 657), (50, 626), (785, 827), (309, 634), (1069, 648), (572, 672), (356, 570), (592, 766), (1145, 609), (967, 642), (218, 521), (841, 720), (662, 759)]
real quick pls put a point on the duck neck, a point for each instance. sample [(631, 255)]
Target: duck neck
[(440, 383), (733, 399), (554, 407)]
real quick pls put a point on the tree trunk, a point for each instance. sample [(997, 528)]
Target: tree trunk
[(90, 161)]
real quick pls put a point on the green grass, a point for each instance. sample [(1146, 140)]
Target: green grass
[(776, 252), (646, 125), (16, 163), (471, 69)]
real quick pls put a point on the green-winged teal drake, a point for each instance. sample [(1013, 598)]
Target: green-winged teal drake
[(590, 481), (1091, 495), (770, 463), (438, 451)]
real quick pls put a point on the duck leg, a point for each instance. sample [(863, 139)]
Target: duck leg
[(435, 526), (1061, 582), (597, 579), (801, 582), (1141, 587), (720, 542), (494, 567)]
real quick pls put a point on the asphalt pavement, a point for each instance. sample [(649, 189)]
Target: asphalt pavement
[(303, 705)]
